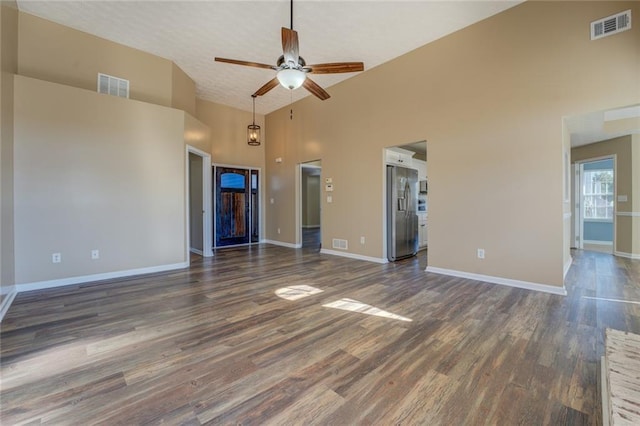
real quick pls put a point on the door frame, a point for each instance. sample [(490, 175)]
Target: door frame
[(212, 189), (298, 189), (578, 198), (207, 217)]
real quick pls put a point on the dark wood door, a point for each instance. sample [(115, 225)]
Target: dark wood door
[(232, 206)]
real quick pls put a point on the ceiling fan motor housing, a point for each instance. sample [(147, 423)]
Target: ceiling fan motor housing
[(281, 63)]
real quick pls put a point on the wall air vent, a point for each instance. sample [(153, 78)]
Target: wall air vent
[(340, 244), (611, 25), (113, 85)]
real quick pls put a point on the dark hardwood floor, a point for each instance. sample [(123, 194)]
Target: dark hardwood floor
[(214, 344)]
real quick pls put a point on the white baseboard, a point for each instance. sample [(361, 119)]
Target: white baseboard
[(40, 285), (567, 266), (353, 256), (282, 244), (7, 300), (499, 280), (598, 243), (627, 255), (196, 251)]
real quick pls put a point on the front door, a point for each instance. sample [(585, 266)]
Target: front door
[(233, 194)]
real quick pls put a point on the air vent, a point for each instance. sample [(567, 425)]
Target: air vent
[(611, 25), (340, 244), (113, 85)]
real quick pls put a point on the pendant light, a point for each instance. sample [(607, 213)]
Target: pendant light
[(253, 130)]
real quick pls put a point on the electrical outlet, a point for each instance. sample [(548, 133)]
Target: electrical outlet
[(95, 254), (361, 240), (56, 258), (278, 230), (480, 253)]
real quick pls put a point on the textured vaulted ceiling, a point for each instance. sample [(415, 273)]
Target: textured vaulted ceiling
[(191, 33)]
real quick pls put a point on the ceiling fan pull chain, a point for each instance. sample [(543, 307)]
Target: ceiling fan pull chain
[(291, 105)]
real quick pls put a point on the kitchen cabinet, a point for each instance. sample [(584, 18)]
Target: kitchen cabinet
[(400, 157), (421, 167), (422, 230)]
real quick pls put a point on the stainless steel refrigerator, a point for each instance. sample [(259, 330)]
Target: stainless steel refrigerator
[(402, 218)]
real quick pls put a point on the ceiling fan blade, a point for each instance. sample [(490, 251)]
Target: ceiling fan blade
[(290, 46), (315, 90), (336, 67), (268, 86), (245, 63)]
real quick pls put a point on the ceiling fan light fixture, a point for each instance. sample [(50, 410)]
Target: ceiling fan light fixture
[(290, 78)]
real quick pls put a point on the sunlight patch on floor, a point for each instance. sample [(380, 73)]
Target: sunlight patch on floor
[(612, 300), (295, 292), (355, 306)]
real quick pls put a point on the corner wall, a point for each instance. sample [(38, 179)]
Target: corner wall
[(229, 134)]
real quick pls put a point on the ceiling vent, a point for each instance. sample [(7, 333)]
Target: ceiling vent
[(113, 85), (611, 25)]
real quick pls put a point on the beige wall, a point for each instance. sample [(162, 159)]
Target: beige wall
[(95, 172), (197, 134), (53, 52), (627, 152), (228, 127), (489, 100), (8, 67), (183, 90)]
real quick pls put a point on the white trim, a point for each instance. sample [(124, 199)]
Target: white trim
[(7, 289), (632, 214), (40, 285), (282, 244), (298, 204), (627, 255), (353, 256), (499, 280), (7, 301), (196, 251), (567, 266), (598, 243), (567, 215)]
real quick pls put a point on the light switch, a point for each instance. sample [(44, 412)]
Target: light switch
[(329, 199)]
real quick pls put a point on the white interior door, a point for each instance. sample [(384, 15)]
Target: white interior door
[(577, 201)]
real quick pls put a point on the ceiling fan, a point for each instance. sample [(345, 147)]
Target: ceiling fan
[(292, 68)]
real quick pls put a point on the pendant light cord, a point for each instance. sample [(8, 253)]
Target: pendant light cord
[(291, 26), (254, 109)]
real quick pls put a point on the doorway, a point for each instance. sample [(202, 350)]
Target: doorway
[(409, 156), (199, 206), (310, 205), (594, 209), (237, 199)]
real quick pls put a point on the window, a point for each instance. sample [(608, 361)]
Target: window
[(598, 194)]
